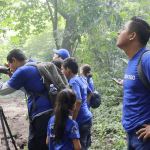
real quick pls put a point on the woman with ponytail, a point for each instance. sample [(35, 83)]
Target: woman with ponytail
[(62, 131), (85, 72)]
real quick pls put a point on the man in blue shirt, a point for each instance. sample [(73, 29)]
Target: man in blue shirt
[(133, 39), (81, 114), (28, 77)]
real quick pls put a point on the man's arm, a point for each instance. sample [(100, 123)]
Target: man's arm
[(89, 97), (76, 111), (5, 89)]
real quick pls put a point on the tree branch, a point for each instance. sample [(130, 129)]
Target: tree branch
[(55, 12), (60, 11), (50, 11), (54, 22), (62, 14)]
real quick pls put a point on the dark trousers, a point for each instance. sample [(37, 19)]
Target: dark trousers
[(38, 132), (137, 144), (85, 134)]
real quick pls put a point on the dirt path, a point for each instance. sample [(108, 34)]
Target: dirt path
[(15, 111)]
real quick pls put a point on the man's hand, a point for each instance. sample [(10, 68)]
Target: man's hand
[(10, 73), (121, 82), (144, 132)]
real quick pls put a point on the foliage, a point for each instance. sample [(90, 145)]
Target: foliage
[(88, 28)]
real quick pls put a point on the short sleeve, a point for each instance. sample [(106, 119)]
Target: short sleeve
[(74, 133), (76, 89), (146, 65), (50, 126), (91, 84), (88, 90), (18, 79), (48, 129)]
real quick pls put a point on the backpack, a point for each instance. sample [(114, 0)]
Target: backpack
[(50, 74), (141, 74), (95, 100)]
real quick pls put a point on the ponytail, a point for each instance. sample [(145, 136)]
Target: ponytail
[(87, 70), (64, 103)]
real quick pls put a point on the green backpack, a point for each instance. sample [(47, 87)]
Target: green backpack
[(50, 74)]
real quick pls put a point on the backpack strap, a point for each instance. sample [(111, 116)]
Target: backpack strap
[(141, 74), (39, 95)]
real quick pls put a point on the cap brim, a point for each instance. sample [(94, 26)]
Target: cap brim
[(55, 50)]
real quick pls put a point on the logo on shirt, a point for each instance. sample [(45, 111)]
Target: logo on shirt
[(84, 87), (74, 130), (51, 126), (131, 77)]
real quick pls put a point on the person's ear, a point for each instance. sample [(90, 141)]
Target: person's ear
[(132, 36), (68, 70), (14, 60)]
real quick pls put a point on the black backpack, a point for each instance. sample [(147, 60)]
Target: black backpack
[(141, 74), (95, 100)]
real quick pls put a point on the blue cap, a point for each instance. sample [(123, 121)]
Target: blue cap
[(63, 53)]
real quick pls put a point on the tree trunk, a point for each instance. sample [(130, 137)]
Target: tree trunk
[(69, 37)]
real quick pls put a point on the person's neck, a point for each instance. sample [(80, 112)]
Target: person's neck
[(22, 63), (72, 75), (82, 75), (132, 50)]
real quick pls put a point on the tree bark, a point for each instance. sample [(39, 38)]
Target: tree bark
[(69, 36), (54, 22)]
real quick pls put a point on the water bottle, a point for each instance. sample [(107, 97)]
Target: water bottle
[(53, 90)]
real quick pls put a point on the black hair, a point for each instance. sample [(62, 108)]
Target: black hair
[(141, 28), (72, 64), (16, 53), (86, 70), (57, 62), (65, 100)]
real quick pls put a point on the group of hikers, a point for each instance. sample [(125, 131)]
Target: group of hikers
[(68, 125)]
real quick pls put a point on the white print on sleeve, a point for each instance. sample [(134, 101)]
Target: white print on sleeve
[(52, 135), (131, 77), (74, 130), (51, 126)]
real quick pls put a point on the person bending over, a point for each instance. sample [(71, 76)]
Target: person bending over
[(29, 78)]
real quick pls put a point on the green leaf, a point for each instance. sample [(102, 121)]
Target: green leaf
[(14, 39), (123, 14), (1, 7), (9, 19), (11, 25), (4, 23)]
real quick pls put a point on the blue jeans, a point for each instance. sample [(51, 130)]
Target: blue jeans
[(137, 144), (85, 134)]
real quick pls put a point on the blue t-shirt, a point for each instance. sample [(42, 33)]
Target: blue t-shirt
[(29, 77), (71, 132), (136, 101), (81, 89), (90, 84)]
